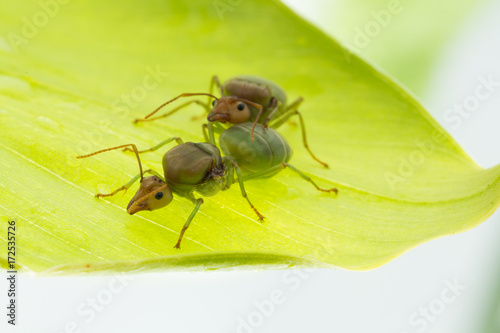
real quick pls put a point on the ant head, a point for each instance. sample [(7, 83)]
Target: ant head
[(153, 194), (230, 109)]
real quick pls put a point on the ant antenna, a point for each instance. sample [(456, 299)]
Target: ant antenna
[(173, 99), (113, 148)]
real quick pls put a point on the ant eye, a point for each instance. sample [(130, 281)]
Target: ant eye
[(213, 103), (159, 195), (241, 106)]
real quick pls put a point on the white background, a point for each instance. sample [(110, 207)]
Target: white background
[(382, 300)]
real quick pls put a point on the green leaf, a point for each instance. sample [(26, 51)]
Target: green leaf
[(78, 80)]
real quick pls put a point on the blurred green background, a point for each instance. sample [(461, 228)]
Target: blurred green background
[(436, 49)]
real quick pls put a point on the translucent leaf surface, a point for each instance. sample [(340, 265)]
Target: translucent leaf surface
[(75, 83), (405, 38)]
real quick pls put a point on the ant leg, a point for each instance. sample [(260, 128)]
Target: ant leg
[(291, 113), (198, 203), (307, 178), (288, 112), (171, 112), (209, 136), (276, 123), (294, 106), (261, 109), (274, 105), (123, 188), (275, 169), (158, 146), (205, 134), (265, 173), (304, 139), (218, 127), (154, 173), (118, 147), (242, 188), (215, 81), (230, 180), (130, 183)]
